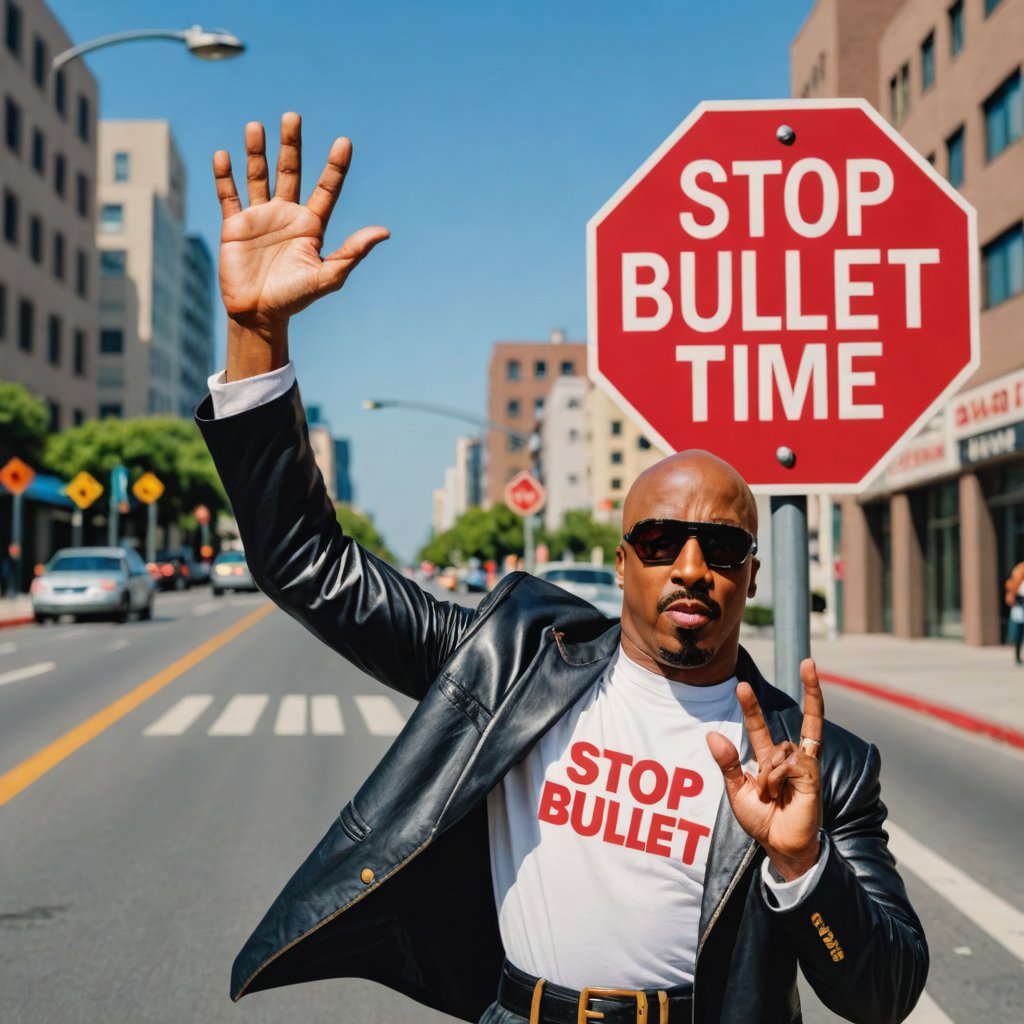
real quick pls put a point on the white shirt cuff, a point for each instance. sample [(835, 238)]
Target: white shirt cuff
[(788, 895), (231, 398)]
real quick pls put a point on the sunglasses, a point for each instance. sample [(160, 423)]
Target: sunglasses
[(659, 541)]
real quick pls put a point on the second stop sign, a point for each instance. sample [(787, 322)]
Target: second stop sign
[(784, 274)]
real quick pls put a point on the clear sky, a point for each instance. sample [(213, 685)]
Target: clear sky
[(486, 135)]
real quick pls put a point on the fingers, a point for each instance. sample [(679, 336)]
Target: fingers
[(224, 182), (328, 188), (814, 710), (791, 765), (289, 160), (340, 263), (256, 174), (761, 741), (728, 759)]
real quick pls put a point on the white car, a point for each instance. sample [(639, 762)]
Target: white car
[(594, 583)]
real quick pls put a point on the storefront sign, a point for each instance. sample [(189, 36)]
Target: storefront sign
[(992, 444), (999, 403)]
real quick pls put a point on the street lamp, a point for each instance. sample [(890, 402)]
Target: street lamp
[(207, 44)]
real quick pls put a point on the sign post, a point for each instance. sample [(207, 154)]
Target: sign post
[(525, 495), (118, 502), (83, 490), (16, 477), (789, 285), (148, 489)]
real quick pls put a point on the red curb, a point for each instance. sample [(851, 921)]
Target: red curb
[(960, 719), (17, 622)]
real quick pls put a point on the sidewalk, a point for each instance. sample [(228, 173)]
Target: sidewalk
[(15, 611), (975, 688)]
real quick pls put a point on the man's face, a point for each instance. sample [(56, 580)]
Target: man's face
[(683, 620)]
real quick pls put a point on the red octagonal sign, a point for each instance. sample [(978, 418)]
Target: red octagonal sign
[(524, 494), (784, 274)]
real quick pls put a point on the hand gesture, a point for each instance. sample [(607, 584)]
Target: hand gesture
[(270, 263), (781, 807)]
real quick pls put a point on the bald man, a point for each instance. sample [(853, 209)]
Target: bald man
[(583, 820)]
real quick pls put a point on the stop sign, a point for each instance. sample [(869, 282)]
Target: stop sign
[(524, 494), (784, 275)]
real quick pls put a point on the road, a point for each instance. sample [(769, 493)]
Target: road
[(172, 774)]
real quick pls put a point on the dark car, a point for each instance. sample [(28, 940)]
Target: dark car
[(174, 569)]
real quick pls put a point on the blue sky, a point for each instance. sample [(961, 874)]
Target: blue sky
[(486, 135)]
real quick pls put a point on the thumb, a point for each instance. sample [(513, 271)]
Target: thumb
[(340, 263), (727, 757)]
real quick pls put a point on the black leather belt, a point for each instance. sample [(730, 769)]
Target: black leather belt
[(544, 1003)]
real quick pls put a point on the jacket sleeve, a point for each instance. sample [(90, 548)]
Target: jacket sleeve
[(354, 602), (858, 940)]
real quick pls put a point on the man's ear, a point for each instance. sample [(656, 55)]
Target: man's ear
[(620, 563), (755, 564)]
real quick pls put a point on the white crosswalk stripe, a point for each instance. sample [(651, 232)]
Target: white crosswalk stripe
[(291, 716), (326, 714), (381, 714), (239, 718), (177, 719)]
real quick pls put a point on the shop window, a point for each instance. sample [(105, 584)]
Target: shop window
[(1003, 266), (1004, 116)]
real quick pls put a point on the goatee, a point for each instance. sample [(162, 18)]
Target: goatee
[(689, 655)]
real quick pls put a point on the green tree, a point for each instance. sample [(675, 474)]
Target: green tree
[(171, 448), (361, 528), (23, 424), (477, 533), (580, 533)]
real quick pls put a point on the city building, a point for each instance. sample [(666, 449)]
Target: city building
[(324, 449), (462, 488), (343, 470), (924, 551), (563, 450), (519, 379), (48, 315), (196, 325)]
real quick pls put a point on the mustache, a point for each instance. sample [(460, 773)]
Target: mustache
[(712, 607)]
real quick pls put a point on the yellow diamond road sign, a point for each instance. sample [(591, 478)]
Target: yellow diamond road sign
[(148, 488), (84, 489)]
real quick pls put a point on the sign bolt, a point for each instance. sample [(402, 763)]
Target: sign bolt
[(786, 456), (785, 135)]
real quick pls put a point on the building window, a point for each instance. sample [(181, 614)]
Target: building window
[(1003, 266), (991, 5), (931, 158), (616, 458), (122, 166), (955, 157), (110, 410), (643, 444), (956, 27), (512, 409), (60, 174), (26, 325), (78, 417), (567, 369), (3, 312), (81, 274), (78, 354), (538, 407), (112, 218), (58, 256), (616, 483), (60, 93), (40, 62), (82, 194), (514, 443), (111, 341), (1004, 116), (574, 435), (616, 426), (573, 403), (928, 62), (12, 28), (113, 262), (54, 336), (540, 369), (38, 151), (513, 370), (12, 125), (35, 239), (11, 217), (83, 117), (54, 425)]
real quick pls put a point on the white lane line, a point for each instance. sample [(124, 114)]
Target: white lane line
[(326, 715), (71, 634), (8, 648), (381, 715), (928, 1011), (120, 645), (291, 716), (180, 716), (205, 607), (239, 718), (39, 669), (991, 913)]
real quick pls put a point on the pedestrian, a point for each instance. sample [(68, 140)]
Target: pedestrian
[(581, 820), (1014, 597)]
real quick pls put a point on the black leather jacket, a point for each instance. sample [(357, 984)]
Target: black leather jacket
[(399, 889)]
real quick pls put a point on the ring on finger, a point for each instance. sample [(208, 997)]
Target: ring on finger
[(809, 745)]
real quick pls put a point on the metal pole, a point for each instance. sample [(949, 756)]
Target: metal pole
[(529, 555), (791, 590), (151, 532), (76, 528), (14, 586), (113, 519)]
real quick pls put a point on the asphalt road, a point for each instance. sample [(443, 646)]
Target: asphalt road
[(172, 774)]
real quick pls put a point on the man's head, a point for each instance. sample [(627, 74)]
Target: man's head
[(680, 615)]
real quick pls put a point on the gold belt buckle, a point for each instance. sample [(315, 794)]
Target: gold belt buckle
[(586, 1014)]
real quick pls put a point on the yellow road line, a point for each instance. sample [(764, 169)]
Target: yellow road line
[(32, 768)]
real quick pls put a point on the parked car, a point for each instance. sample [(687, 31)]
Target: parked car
[(175, 569), (230, 572), (594, 583), (93, 581)]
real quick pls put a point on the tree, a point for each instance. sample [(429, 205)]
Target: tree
[(24, 419), (490, 534), (361, 529), (171, 448), (580, 533)]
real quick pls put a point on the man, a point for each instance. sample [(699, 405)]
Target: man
[(568, 810)]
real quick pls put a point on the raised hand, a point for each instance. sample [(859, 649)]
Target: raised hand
[(781, 807), (270, 262)]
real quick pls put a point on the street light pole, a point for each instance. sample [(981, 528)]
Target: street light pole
[(444, 410), (207, 44)]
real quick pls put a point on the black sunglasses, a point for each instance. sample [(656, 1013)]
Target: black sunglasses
[(659, 541)]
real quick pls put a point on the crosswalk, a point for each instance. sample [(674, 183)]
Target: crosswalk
[(293, 714)]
